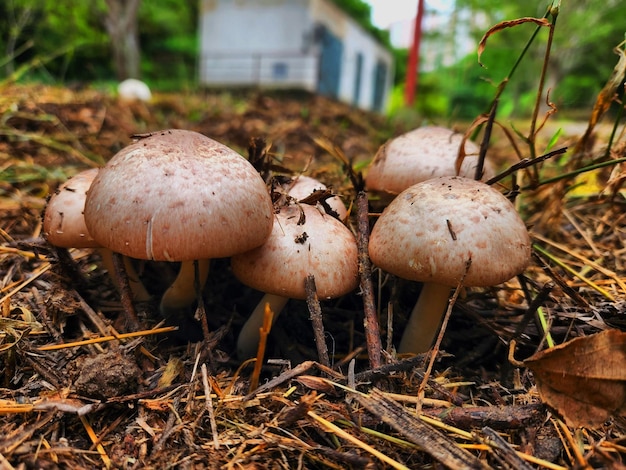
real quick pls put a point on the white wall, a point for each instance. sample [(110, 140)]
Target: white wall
[(270, 43), (252, 42), (355, 40)]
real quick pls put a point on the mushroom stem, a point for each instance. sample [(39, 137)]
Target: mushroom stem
[(248, 340), (425, 318), (182, 293), (140, 294)]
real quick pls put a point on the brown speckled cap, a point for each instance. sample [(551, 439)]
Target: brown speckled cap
[(321, 246), (431, 230), (303, 186), (177, 196), (63, 220), (421, 154)]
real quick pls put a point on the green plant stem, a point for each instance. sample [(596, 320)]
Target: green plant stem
[(574, 173), (544, 325)]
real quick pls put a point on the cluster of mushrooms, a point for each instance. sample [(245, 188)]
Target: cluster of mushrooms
[(204, 201)]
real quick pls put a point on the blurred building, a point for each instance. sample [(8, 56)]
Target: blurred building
[(293, 44)]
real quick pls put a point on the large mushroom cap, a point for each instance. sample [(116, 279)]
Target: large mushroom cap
[(431, 230), (421, 154), (303, 241), (177, 196), (63, 220)]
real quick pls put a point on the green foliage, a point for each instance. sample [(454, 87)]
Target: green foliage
[(361, 12), (169, 45), (168, 38), (400, 59), (65, 40), (51, 27)]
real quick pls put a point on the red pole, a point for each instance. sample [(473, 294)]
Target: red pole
[(412, 71)]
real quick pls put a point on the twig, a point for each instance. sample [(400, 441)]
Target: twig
[(435, 349), (103, 339), (200, 309), (436, 444), (209, 406), (349, 437), (264, 331), (576, 454), (525, 163), (370, 318), (126, 295), (94, 439), (503, 450), (316, 320), (501, 418), (290, 374), (285, 376), (478, 175)]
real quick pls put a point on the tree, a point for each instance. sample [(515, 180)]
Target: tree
[(121, 25)]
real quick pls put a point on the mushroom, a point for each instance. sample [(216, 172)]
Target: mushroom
[(431, 230), (418, 155), (64, 227), (304, 241), (63, 219), (177, 195), (132, 89), (301, 187)]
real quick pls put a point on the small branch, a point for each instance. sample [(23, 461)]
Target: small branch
[(316, 319), (435, 349), (126, 295), (209, 406), (200, 309), (525, 163), (370, 318), (264, 331), (485, 142)]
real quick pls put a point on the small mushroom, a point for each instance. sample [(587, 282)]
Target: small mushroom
[(63, 219), (418, 155), (64, 227), (178, 195), (304, 241), (430, 231), (132, 89), (302, 186)]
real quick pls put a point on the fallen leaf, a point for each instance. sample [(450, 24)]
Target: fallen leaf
[(584, 380), (172, 370), (507, 24)]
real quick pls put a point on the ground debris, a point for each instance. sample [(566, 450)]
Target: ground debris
[(77, 393)]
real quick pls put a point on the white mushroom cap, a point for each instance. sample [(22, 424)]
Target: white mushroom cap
[(132, 89), (321, 246), (421, 154), (63, 220), (431, 230), (303, 186), (178, 196)]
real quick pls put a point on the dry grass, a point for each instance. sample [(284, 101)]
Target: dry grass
[(158, 401)]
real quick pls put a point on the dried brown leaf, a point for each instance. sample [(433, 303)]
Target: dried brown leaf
[(507, 24), (584, 379), (605, 97)]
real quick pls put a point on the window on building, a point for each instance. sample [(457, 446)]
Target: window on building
[(280, 71)]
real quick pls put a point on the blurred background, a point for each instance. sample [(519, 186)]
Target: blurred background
[(355, 51)]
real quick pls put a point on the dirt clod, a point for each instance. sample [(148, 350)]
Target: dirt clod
[(108, 375)]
